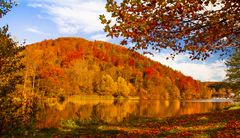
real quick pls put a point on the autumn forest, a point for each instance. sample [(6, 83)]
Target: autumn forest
[(75, 66), (82, 68)]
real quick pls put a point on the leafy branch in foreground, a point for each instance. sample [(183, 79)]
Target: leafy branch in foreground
[(197, 27), (5, 6)]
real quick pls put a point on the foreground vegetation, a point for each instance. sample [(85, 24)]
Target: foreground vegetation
[(215, 124), (69, 66)]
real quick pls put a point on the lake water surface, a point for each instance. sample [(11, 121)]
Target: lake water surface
[(116, 111)]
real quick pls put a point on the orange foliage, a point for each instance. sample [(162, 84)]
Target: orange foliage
[(57, 59)]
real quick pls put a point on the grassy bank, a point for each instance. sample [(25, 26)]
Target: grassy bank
[(215, 124), (233, 106)]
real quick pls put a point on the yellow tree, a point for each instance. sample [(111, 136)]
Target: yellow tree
[(107, 85), (123, 88)]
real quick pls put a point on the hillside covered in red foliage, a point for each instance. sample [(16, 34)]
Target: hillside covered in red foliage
[(75, 66)]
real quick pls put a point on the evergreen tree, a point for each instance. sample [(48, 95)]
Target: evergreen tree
[(233, 71)]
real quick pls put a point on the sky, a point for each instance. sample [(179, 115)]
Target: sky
[(36, 20)]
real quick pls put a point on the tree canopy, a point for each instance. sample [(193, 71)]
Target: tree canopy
[(16, 109), (198, 27), (75, 66), (10, 62), (5, 6)]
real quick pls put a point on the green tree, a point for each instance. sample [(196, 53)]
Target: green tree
[(5, 6), (233, 71), (199, 27)]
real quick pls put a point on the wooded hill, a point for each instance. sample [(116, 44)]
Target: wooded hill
[(75, 66)]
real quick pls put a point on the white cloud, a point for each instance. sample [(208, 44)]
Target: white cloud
[(73, 16), (33, 30), (40, 16), (200, 70), (211, 7), (101, 37)]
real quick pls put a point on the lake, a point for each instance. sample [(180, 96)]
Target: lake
[(117, 111)]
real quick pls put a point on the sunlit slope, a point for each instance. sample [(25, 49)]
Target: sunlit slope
[(75, 66)]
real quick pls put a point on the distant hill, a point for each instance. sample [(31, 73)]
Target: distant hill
[(75, 66)]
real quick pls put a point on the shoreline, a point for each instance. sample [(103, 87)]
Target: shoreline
[(224, 123)]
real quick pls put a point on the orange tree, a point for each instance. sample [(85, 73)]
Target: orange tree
[(9, 55), (10, 63), (198, 27), (15, 109), (10, 78)]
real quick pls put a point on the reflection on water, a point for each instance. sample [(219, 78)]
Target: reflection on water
[(110, 111)]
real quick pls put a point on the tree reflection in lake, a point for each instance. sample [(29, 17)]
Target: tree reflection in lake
[(112, 112)]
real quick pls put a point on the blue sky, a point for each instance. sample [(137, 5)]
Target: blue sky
[(37, 20)]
